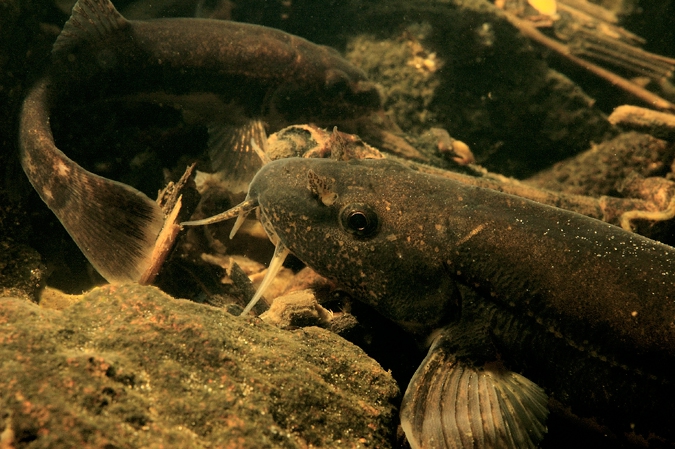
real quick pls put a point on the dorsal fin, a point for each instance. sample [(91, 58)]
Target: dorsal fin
[(90, 20)]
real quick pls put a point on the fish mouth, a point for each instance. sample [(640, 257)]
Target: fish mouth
[(280, 250), (274, 177), (241, 211)]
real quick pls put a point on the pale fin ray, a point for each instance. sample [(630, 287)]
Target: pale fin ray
[(489, 407), (461, 406), (513, 433), (450, 403), (518, 392), (443, 421), (475, 406)]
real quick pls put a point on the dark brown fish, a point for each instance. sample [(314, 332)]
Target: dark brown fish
[(247, 73), (522, 300), (263, 71)]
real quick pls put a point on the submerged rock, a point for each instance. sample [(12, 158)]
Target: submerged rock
[(133, 367)]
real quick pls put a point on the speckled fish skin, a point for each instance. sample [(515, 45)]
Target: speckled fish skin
[(582, 308), (260, 69)]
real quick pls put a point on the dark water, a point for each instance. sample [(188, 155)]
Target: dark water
[(520, 108)]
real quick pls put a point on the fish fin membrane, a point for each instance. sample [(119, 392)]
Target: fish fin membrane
[(452, 404), (90, 20), (232, 153), (114, 225)]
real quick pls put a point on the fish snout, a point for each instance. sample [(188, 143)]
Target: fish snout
[(277, 177)]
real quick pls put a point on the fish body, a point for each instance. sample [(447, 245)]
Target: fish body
[(262, 70), (566, 306), (247, 74)]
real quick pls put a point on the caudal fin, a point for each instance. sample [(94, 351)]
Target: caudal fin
[(114, 225)]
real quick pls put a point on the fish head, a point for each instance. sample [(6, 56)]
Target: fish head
[(334, 90), (355, 223)]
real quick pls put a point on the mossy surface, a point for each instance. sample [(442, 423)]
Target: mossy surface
[(133, 367), (490, 87)]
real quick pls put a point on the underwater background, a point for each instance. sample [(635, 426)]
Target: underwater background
[(93, 371)]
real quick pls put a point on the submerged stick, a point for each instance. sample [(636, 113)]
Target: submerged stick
[(643, 94)]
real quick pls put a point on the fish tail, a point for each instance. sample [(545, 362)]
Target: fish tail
[(114, 225)]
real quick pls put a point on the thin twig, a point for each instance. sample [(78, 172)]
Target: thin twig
[(533, 33)]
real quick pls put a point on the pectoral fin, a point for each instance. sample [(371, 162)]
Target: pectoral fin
[(232, 153), (450, 403)]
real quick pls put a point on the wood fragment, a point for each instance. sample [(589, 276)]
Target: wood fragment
[(185, 186), (659, 124), (639, 92), (163, 245), (170, 200), (590, 9)]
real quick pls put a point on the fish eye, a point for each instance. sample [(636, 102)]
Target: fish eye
[(359, 219)]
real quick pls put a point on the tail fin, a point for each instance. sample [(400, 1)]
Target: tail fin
[(113, 224)]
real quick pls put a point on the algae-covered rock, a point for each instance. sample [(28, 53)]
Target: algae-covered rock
[(133, 367), (460, 65), (605, 167)]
